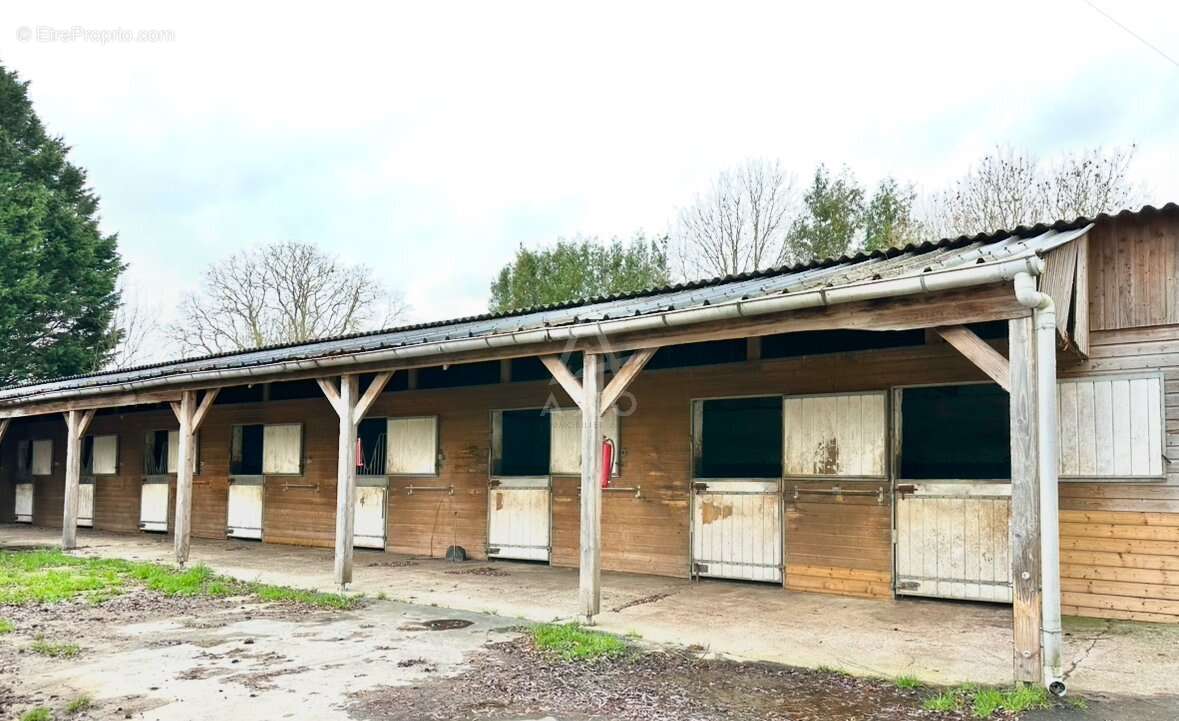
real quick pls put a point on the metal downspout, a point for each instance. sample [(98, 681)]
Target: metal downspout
[(1044, 318)]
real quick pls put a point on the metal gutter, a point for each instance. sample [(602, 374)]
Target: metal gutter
[(928, 282)]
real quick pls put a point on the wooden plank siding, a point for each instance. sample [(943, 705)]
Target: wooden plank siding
[(1134, 273), (1119, 540)]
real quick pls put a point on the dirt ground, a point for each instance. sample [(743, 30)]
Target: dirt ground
[(144, 655)]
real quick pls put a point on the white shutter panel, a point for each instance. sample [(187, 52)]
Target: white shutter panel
[(413, 446), (282, 448), (173, 451), (834, 435), (105, 456), (565, 439), (43, 457), (1110, 427)]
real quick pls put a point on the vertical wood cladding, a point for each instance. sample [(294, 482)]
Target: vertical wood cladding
[(1134, 273)]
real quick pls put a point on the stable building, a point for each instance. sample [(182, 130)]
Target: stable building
[(985, 418)]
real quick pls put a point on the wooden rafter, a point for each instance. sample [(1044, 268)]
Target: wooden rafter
[(978, 352), (328, 386), (564, 378), (374, 390), (625, 375)]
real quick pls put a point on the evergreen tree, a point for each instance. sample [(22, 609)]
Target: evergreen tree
[(58, 272)]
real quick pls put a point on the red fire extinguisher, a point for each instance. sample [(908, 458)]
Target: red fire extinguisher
[(607, 461)]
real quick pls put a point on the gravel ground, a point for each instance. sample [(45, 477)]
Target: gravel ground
[(513, 680)]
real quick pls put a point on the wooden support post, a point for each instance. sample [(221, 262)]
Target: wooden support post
[(978, 352), (505, 370), (346, 481), (76, 424), (590, 593), (350, 407), (190, 415), (1025, 501)]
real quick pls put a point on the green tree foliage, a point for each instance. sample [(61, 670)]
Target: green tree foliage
[(579, 269), (888, 217), (58, 272), (831, 217)]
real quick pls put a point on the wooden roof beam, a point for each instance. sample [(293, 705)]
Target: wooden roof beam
[(978, 352)]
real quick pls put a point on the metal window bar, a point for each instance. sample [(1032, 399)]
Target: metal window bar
[(373, 464), (839, 492), (411, 489), (155, 459)]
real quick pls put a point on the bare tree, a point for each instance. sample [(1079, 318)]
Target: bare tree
[(138, 328), (281, 293), (739, 225), (1009, 188)]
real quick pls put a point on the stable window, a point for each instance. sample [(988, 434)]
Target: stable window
[(737, 437), (245, 452), (565, 425), (42, 457), (955, 433), (371, 442), (161, 453), (266, 450), (413, 446), (24, 459), (1111, 427), (100, 455), (520, 443)]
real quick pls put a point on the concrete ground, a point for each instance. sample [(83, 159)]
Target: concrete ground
[(937, 641)]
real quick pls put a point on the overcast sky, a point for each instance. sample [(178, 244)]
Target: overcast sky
[(432, 139)]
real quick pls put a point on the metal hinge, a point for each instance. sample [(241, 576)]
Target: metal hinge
[(698, 568), (699, 487), (491, 550)]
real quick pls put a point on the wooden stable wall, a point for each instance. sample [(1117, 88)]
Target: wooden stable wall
[(1120, 541), (644, 535)]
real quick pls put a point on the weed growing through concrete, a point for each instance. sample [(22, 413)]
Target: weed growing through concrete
[(306, 598), (571, 642), (6, 626), (80, 704), (908, 682), (54, 650), (986, 702), (38, 714), (50, 576)]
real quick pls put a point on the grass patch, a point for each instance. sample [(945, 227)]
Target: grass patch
[(80, 704), (908, 682), (984, 703), (37, 714), (306, 598), (6, 626), (50, 576), (55, 650), (573, 643)]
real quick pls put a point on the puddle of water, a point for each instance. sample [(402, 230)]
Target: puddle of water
[(437, 624)]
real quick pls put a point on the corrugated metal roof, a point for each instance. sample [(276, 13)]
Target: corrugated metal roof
[(893, 263)]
